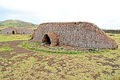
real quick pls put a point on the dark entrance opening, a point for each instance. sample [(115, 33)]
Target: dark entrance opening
[(46, 39), (13, 32)]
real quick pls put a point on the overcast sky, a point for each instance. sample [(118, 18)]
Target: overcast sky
[(104, 13)]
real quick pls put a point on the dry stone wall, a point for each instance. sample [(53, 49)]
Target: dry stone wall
[(112, 31)]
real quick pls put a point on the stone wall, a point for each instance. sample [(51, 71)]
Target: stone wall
[(112, 31), (80, 34)]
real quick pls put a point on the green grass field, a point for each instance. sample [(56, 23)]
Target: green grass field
[(58, 63), (5, 48), (10, 37)]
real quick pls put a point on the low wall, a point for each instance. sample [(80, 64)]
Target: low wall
[(112, 31)]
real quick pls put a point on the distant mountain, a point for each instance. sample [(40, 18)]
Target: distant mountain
[(16, 23)]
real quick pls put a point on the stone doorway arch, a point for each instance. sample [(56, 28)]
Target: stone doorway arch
[(13, 32), (51, 39)]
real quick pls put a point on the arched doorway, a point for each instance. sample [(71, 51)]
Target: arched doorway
[(51, 39), (46, 39), (13, 32)]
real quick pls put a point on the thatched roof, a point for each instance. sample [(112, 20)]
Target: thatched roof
[(16, 31), (80, 34)]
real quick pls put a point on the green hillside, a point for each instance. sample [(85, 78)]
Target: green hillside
[(16, 23)]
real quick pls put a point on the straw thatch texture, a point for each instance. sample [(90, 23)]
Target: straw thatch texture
[(80, 34), (8, 31), (16, 31), (24, 31)]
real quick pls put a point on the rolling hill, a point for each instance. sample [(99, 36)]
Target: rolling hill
[(16, 23)]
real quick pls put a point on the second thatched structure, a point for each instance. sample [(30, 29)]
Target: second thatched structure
[(16, 31)]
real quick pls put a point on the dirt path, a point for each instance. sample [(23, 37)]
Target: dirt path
[(16, 48)]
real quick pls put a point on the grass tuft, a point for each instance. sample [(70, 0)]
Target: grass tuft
[(6, 48), (34, 46)]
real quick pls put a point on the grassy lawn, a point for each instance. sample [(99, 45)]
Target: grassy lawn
[(5, 48), (35, 46), (10, 37), (59, 63)]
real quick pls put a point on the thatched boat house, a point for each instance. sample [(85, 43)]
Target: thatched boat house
[(24, 31), (16, 31), (79, 34), (8, 31)]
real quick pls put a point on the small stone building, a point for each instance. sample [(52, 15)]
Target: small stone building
[(78, 34), (16, 31)]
